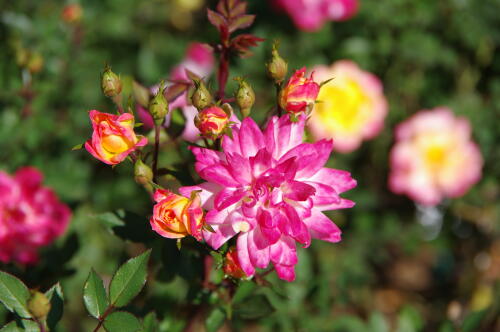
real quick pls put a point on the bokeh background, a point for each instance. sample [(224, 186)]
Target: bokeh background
[(397, 268)]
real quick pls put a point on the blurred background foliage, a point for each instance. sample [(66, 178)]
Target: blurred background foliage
[(398, 268)]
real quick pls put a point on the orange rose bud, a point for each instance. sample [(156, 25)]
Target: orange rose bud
[(232, 266), (300, 93), (211, 122), (176, 216), (113, 138)]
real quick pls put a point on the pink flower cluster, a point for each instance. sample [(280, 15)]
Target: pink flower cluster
[(434, 157), (310, 15), (199, 60), (31, 216), (269, 189)]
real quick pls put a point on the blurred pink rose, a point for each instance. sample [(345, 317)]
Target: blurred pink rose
[(200, 60), (310, 15), (351, 107), (434, 157), (31, 216)]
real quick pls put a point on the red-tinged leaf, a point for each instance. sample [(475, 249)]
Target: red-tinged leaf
[(174, 91), (242, 44), (241, 22), (216, 19), (192, 76), (222, 8), (239, 9)]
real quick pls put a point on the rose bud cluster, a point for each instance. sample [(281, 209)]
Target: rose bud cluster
[(212, 122), (300, 93), (176, 216), (113, 138)]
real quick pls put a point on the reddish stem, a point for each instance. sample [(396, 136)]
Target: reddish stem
[(223, 73)]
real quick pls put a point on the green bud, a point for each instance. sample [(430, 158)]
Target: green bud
[(142, 173), (158, 106), (110, 83), (201, 97), (245, 97), (38, 305), (277, 67)]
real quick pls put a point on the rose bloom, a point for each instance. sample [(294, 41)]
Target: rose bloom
[(299, 93), (113, 138), (310, 15), (175, 216), (212, 121), (269, 189), (199, 60), (350, 108), (31, 216), (232, 266), (434, 157)]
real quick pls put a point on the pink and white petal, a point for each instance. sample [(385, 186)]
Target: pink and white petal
[(206, 157), (258, 256), (253, 138), (222, 234), (337, 179), (207, 193), (219, 174), (227, 197), (322, 228), (285, 272), (243, 255)]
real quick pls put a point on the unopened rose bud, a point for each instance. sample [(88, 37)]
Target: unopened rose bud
[(277, 67), (201, 97), (111, 84), (300, 93), (212, 122), (245, 97), (35, 63), (38, 305), (232, 266), (158, 106), (142, 173)]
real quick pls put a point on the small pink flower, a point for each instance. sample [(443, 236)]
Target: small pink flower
[(299, 93), (113, 138), (31, 216), (351, 107), (212, 121), (269, 189), (434, 157), (310, 15)]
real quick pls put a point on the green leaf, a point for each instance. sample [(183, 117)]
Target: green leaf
[(94, 295), (14, 294), (378, 323), (254, 307), (56, 298), (215, 320), (11, 327), (129, 280), (30, 326), (473, 320), (121, 321), (245, 289), (150, 323), (110, 219), (77, 147)]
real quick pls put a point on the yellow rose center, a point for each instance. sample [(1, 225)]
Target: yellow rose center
[(343, 106), (114, 144)]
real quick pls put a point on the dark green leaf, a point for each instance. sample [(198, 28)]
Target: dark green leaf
[(254, 307), (150, 323), (56, 298), (245, 289), (129, 280), (215, 320), (121, 321), (128, 225), (14, 294), (110, 219), (473, 320), (94, 295)]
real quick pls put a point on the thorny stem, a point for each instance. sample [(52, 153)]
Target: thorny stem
[(156, 149), (103, 317)]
